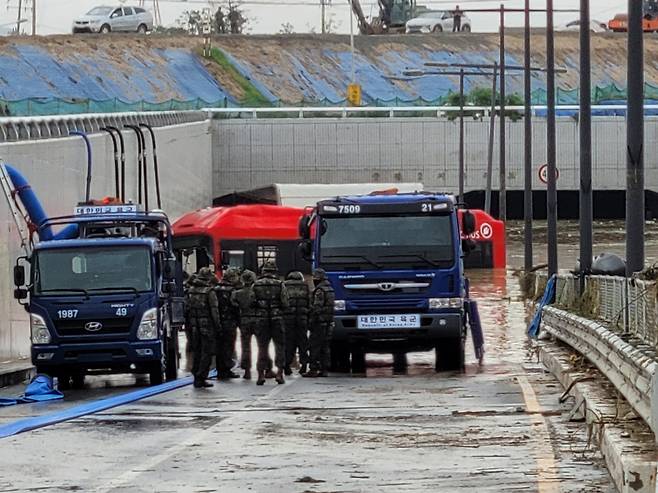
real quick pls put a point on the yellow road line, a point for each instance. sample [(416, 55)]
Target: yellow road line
[(547, 474)]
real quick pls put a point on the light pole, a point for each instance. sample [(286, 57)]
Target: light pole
[(502, 199), (527, 155), (551, 194), (492, 131), (586, 211), (634, 142)]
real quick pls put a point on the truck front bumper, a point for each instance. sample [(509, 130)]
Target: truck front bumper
[(98, 355), (434, 327)]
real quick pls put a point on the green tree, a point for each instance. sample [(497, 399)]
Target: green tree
[(481, 96)]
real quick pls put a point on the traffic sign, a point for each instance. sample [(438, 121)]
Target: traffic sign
[(543, 174)]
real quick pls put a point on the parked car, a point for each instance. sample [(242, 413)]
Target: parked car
[(594, 26), (436, 22), (105, 19)]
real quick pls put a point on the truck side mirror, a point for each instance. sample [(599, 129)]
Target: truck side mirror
[(468, 223), (169, 268), (20, 294), (304, 228), (19, 276), (306, 249)]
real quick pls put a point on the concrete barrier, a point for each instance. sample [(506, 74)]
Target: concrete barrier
[(56, 170)]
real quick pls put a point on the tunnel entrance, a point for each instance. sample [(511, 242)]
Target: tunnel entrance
[(608, 204)]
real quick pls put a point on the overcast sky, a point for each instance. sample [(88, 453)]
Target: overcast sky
[(54, 16)]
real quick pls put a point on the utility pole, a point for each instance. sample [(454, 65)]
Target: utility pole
[(527, 157), (502, 194), (324, 24), (462, 168), (586, 211), (635, 141), (18, 19), (492, 130), (34, 17), (551, 194)]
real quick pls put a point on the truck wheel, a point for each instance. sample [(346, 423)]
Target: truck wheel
[(400, 362), (173, 359), (141, 29), (358, 361), (105, 28), (450, 355), (78, 380), (437, 29), (340, 357), (156, 375), (63, 381)]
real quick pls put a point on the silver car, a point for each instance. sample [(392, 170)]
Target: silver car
[(114, 19), (436, 22)]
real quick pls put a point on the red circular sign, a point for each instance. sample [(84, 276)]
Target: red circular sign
[(543, 174)]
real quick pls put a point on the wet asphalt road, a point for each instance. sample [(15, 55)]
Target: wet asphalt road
[(498, 427)]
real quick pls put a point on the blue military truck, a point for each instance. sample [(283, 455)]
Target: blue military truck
[(395, 263), (103, 287)]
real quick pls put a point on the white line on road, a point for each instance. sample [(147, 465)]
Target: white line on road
[(129, 477)]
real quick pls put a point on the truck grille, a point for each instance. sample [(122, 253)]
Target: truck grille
[(109, 326), (389, 305)]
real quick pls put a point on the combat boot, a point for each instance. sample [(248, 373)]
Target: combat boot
[(287, 371), (311, 374), (270, 374), (261, 378), (303, 369), (202, 384), (247, 375), (279, 377)]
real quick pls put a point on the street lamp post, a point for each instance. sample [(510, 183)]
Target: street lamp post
[(586, 211), (462, 168), (492, 130), (502, 185), (551, 195), (635, 140), (527, 155)]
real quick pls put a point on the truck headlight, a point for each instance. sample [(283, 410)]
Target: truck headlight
[(439, 303), (39, 330), (148, 327), (339, 305)]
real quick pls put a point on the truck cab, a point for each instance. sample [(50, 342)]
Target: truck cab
[(106, 299), (395, 263)]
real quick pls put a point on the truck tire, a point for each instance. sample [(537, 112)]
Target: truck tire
[(78, 380), (400, 363), (63, 381), (173, 359), (142, 29), (156, 375), (437, 29), (105, 29), (450, 355), (358, 361), (340, 357)]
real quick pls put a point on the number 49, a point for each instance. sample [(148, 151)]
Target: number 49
[(122, 312)]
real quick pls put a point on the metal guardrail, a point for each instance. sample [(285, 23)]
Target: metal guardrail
[(388, 111), (624, 304), (46, 127)]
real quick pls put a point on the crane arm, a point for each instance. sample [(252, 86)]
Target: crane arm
[(364, 25)]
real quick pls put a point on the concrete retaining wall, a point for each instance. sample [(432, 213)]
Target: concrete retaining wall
[(257, 152), (56, 170)]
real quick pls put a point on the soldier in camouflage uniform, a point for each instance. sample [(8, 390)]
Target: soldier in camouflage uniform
[(228, 327), (203, 315), (271, 300), (243, 299), (322, 322), (296, 321)]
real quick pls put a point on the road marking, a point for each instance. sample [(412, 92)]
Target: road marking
[(547, 475), (129, 476)]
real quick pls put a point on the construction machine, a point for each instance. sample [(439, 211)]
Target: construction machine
[(619, 23), (393, 15)]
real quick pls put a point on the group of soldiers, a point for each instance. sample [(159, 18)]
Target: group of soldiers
[(272, 310)]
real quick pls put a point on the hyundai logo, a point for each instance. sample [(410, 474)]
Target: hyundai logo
[(93, 326), (386, 286)]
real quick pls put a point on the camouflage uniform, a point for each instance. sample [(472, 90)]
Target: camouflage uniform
[(188, 325), (228, 328), (245, 302), (296, 320), (322, 322), (203, 315), (271, 300)]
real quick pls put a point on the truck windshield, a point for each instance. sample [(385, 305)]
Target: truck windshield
[(98, 269), (385, 242)]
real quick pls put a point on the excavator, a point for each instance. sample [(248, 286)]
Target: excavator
[(619, 23), (393, 15)]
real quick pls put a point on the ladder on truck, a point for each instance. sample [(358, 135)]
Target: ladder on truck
[(20, 217)]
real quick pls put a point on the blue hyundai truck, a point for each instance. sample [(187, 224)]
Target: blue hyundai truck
[(395, 263), (105, 299)]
